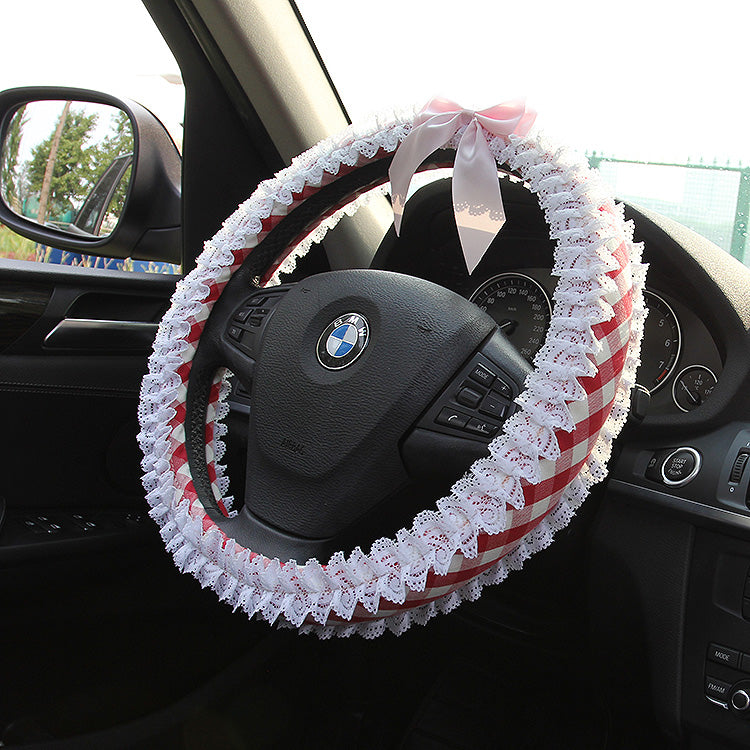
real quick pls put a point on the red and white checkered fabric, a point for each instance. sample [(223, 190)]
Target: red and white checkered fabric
[(510, 504)]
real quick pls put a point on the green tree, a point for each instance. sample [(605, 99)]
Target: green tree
[(118, 142), (71, 172), (9, 177)]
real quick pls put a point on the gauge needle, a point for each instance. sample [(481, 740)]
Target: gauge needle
[(507, 326), (694, 397)]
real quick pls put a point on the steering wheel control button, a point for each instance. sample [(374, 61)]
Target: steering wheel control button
[(452, 418), (718, 689), (723, 655), (501, 387), (469, 397), (242, 315), (480, 427), (470, 406), (494, 406), (680, 467), (482, 375), (247, 320), (343, 341)]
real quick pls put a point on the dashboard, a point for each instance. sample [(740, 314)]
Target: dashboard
[(681, 361)]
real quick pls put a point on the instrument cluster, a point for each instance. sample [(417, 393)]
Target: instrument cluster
[(679, 361)]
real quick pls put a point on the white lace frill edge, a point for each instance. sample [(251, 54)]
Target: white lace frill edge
[(588, 228)]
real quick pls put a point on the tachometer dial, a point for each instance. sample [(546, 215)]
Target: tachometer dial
[(662, 340), (520, 307), (692, 387)]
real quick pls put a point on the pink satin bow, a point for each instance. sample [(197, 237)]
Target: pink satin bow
[(477, 203)]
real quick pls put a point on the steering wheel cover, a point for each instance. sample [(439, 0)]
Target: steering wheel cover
[(509, 505)]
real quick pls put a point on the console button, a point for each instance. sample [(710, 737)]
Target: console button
[(482, 375), (717, 689), (32, 524), (723, 655), (452, 418), (49, 526), (479, 427), (680, 467), (469, 397), (738, 468), (653, 470), (84, 524)]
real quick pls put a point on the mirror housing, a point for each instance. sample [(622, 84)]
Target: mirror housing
[(150, 223)]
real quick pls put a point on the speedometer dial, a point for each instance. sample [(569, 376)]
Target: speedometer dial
[(662, 341), (520, 307)]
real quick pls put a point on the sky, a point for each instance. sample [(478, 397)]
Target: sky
[(656, 79), (644, 79)]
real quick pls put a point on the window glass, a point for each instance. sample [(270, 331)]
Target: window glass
[(120, 52), (651, 92)]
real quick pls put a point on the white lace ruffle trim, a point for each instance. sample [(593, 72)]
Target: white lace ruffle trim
[(588, 229)]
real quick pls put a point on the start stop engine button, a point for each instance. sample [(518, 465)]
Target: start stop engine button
[(680, 467)]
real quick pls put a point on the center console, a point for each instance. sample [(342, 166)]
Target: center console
[(680, 576)]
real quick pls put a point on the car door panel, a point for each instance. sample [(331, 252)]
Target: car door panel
[(75, 349)]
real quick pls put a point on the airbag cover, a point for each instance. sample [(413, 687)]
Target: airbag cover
[(332, 435)]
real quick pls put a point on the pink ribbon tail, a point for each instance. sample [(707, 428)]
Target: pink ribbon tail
[(424, 139), (477, 200)]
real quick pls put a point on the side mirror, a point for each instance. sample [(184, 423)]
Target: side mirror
[(89, 173)]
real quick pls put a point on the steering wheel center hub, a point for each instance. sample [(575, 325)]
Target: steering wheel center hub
[(409, 337)]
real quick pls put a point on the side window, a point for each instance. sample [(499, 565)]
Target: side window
[(37, 178)]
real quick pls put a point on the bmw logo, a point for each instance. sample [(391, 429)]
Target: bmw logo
[(343, 340)]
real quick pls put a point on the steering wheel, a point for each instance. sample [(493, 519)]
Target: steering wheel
[(371, 391)]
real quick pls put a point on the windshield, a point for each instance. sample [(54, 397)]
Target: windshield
[(652, 92)]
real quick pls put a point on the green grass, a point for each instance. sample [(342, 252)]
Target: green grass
[(14, 246)]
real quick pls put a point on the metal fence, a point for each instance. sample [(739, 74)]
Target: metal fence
[(713, 200)]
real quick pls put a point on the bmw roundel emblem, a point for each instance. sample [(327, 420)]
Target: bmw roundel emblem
[(343, 340)]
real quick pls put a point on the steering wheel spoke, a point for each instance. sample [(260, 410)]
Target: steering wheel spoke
[(236, 329), (469, 412)]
